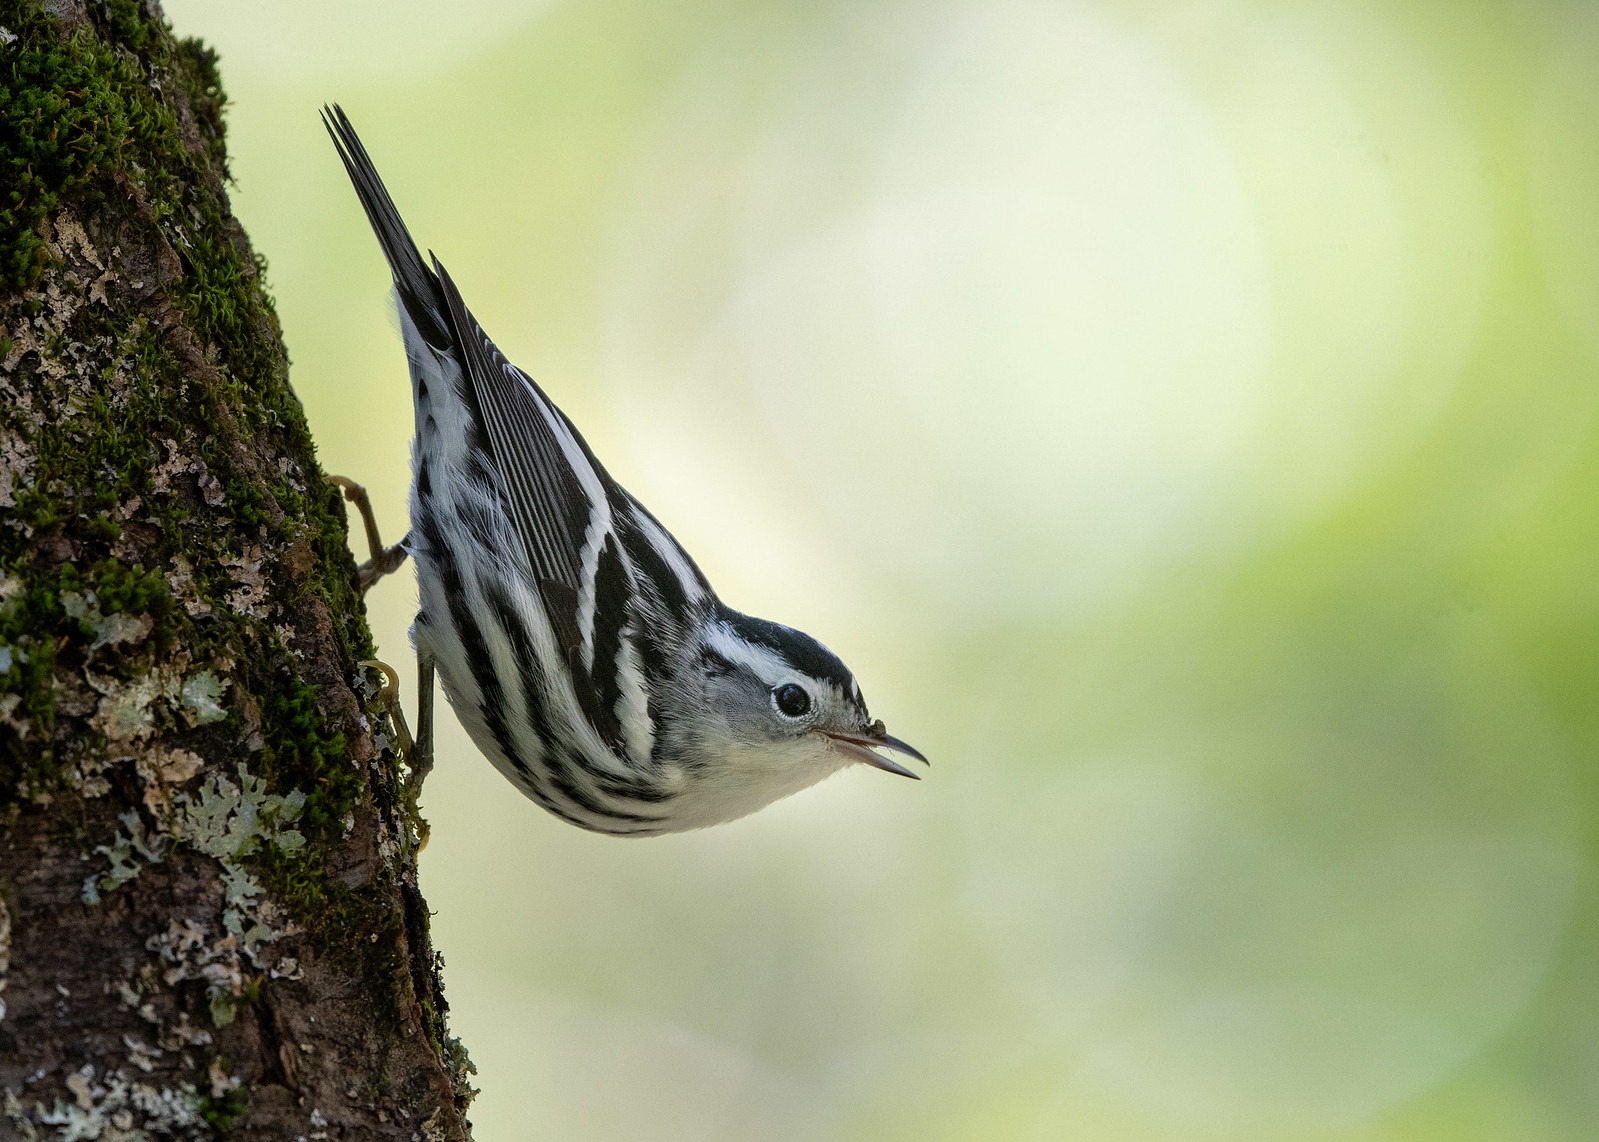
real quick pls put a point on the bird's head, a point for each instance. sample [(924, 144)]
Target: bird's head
[(790, 709)]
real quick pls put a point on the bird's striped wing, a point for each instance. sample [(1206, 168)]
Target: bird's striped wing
[(559, 498)]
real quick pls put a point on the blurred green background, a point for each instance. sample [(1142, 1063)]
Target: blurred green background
[(1182, 418)]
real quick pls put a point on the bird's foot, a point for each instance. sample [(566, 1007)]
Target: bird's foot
[(382, 559), (416, 752), (389, 695)]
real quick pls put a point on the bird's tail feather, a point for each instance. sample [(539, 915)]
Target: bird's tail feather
[(416, 284)]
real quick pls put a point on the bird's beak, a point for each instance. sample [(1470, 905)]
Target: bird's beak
[(861, 746)]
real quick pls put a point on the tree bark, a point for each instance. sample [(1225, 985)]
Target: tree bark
[(209, 919)]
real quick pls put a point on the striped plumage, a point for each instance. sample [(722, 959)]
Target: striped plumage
[(577, 641)]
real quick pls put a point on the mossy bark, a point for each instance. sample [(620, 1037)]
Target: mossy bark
[(209, 920)]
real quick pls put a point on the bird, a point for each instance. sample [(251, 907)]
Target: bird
[(580, 645)]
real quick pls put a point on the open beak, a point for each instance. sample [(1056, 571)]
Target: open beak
[(862, 746)]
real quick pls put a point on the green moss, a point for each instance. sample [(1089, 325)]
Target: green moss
[(370, 932), (330, 578), (38, 631), (202, 82), (74, 114), (31, 620), (131, 591), (128, 25), (224, 1110), (304, 755), (61, 123), (222, 1113), (103, 528)]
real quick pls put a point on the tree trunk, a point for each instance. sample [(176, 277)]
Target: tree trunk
[(209, 919)]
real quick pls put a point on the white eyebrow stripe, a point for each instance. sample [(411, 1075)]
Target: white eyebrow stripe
[(765, 663)]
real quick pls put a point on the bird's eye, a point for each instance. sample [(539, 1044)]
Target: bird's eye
[(792, 700)]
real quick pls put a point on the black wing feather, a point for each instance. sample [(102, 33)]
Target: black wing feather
[(545, 499), (417, 287)]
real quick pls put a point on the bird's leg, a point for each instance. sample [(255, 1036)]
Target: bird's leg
[(389, 695), (381, 559), (422, 764), (417, 753)]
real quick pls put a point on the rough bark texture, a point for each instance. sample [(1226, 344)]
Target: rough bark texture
[(209, 920)]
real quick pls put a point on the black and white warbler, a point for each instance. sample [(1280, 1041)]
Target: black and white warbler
[(579, 644)]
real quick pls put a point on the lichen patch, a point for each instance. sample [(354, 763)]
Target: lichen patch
[(163, 771), (176, 464), (181, 582), (122, 853), (109, 630), (114, 1108), (249, 596), (124, 713), (69, 234), (202, 698), (16, 466)]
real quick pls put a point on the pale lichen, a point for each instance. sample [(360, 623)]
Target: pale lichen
[(115, 1109), (192, 954), (16, 465), (142, 1054), (21, 1124), (202, 697), (128, 708), (229, 823), (109, 630), (222, 1083), (163, 770), (121, 852), (180, 579), (249, 595), (124, 714)]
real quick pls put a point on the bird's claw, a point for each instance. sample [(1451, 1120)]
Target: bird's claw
[(418, 754), (382, 560), (389, 695)]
